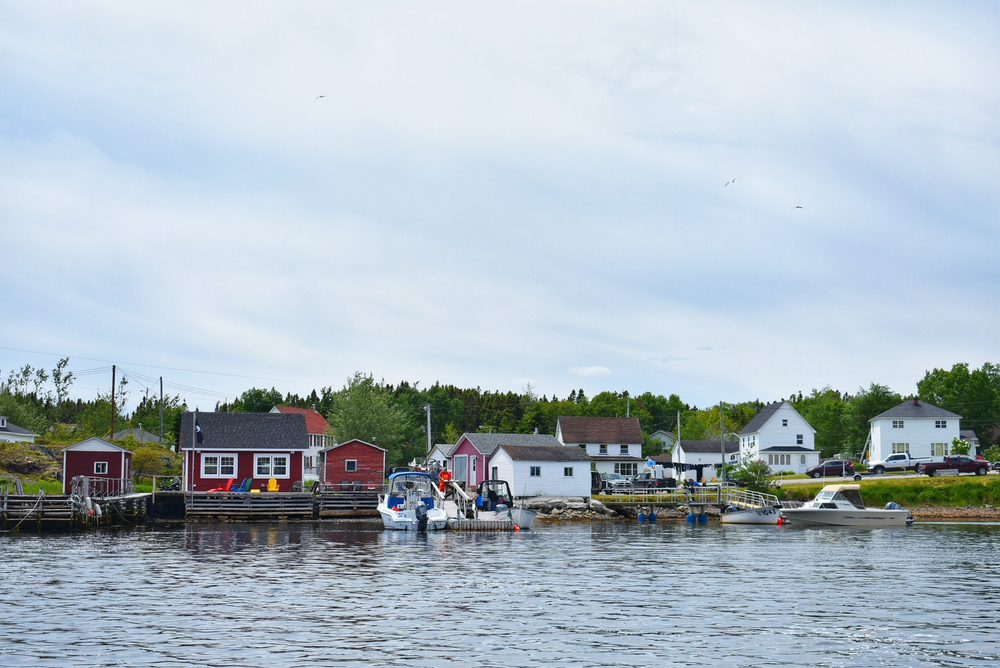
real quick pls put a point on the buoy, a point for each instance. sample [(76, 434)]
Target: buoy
[(781, 520), (517, 528)]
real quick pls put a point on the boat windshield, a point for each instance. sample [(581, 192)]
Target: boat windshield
[(852, 496), (402, 484)]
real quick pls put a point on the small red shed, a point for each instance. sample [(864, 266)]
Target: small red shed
[(96, 458), (353, 463)]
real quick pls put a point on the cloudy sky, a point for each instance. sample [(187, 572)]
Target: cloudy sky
[(496, 194)]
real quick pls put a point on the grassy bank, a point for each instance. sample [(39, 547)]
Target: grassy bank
[(956, 492)]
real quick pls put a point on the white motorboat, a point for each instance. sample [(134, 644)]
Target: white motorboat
[(841, 505), (494, 502), (409, 503)]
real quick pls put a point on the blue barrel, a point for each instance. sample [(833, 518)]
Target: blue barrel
[(652, 518), (691, 517), (642, 517), (703, 519)]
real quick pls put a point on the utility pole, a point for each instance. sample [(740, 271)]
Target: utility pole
[(427, 407), (112, 435), (722, 440), (161, 410)]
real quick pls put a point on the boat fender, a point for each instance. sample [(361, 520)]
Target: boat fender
[(90, 505), (781, 520), (517, 528), (97, 509)]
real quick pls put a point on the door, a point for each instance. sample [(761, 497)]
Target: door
[(461, 471), (472, 473)]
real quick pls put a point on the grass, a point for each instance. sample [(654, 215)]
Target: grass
[(953, 492)]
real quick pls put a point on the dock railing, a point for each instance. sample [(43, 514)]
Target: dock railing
[(100, 488), (709, 495)]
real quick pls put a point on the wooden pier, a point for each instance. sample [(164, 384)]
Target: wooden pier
[(247, 506), (69, 512)]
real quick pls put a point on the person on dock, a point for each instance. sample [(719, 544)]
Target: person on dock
[(444, 478)]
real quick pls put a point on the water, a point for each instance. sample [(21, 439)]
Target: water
[(564, 595)]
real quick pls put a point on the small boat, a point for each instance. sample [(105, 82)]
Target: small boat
[(745, 515), (495, 503), (409, 503), (841, 505)]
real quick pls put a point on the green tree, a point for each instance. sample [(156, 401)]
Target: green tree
[(960, 447), (863, 406), (23, 412), (148, 461), (256, 400), (147, 415), (826, 411), (754, 475), (365, 410), (975, 395)]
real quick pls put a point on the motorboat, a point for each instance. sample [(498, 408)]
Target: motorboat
[(841, 505), (409, 504), (494, 502), (748, 507)]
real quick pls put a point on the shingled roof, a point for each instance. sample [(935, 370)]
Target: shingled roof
[(12, 428), (711, 447), (763, 415), (487, 443), (576, 429), (544, 453), (315, 422), (245, 431), (914, 408)]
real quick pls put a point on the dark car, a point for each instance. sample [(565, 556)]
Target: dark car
[(840, 468)]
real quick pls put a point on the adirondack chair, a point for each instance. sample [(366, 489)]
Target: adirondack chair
[(272, 485), (245, 485), (228, 487)]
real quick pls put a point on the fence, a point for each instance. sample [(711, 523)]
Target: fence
[(100, 488)]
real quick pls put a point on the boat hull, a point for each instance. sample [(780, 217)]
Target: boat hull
[(869, 517), (407, 521), (767, 515)]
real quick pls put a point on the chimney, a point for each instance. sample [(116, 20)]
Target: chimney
[(916, 402)]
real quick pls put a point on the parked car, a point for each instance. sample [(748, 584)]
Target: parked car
[(614, 482), (996, 466), (649, 480), (900, 461), (960, 463), (832, 467)]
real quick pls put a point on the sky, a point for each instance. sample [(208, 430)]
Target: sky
[(275, 194)]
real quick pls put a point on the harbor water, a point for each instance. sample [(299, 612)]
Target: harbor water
[(574, 594)]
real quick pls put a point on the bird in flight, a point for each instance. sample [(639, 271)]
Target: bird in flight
[(733, 181), (318, 97), (796, 207)]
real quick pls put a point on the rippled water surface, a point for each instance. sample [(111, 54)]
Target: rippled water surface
[(559, 595)]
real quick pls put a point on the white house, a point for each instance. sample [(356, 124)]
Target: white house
[(441, 453), (780, 436), (614, 444), (542, 470), (665, 437), (914, 426), (696, 460), (11, 433)]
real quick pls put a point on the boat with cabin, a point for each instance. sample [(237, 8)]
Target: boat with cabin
[(409, 504), (841, 505), (494, 502)]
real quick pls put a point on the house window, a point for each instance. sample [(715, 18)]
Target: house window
[(351, 465), (624, 450), (784, 423), (626, 468), (939, 449), (568, 471), (897, 424), (803, 460), (900, 447), (218, 466), (602, 449), (496, 473), (100, 468), (536, 471), (307, 462), (209, 466), (272, 466), (941, 424), (227, 466), (798, 439)]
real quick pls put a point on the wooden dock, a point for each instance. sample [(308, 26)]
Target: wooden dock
[(248, 507), (69, 512)]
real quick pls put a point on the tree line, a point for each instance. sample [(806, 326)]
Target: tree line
[(394, 415)]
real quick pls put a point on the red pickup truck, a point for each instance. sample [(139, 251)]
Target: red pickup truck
[(961, 463)]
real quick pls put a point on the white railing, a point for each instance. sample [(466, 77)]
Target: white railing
[(748, 499)]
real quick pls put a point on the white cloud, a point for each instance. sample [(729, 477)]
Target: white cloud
[(590, 371)]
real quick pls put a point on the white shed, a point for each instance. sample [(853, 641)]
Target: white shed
[(542, 470)]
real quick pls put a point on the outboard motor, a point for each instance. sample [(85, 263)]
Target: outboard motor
[(421, 512), (892, 505)]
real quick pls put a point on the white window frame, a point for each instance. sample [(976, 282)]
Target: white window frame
[(272, 465), (602, 449), (939, 449), (100, 468), (799, 439), (803, 460), (897, 424), (898, 448), (567, 471), (784, 422), (941, 424), (623, 450), (217, 457), (535, 472), (627, 468), (347, 466)]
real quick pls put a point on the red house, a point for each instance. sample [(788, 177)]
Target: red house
[(316, 428), (259, 446), (96, 458), (353, 464)]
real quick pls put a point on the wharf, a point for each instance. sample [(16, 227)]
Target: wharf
[(69, 512), (269, 506)]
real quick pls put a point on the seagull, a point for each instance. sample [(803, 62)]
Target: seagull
[(796, 207), (318, 97), (733, 181)]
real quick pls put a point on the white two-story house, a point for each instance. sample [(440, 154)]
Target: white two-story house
[(614, 444), (916, 427), (781, 437)]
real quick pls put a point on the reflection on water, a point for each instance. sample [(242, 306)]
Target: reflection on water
[(599, 594)]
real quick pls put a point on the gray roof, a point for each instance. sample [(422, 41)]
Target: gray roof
[(968, 435), (140, 435), (487, 443), (914, 408), (787, 448), (712, 447), (763, 415), (545, 453), (12, 428), (246, 431)]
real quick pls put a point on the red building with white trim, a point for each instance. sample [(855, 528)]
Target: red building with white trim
[(95, 458), (260, 446), (353, 464)]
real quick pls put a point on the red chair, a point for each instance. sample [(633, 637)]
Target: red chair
[(228, 487)]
